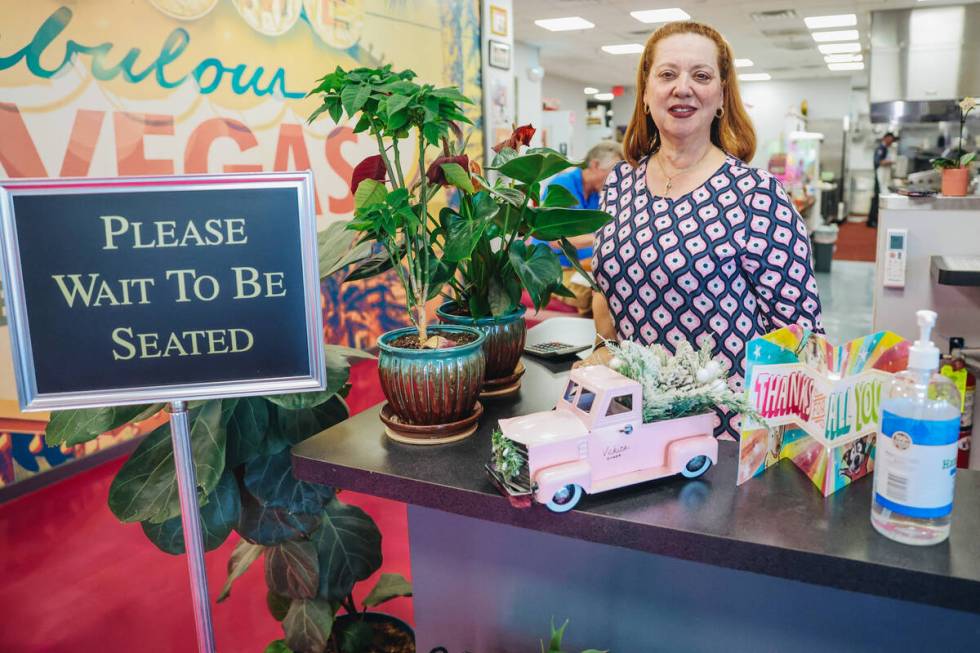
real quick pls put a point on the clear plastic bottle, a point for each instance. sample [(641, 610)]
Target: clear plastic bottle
[(915, 461)]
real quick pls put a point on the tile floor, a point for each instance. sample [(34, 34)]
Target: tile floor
[(847, 296)]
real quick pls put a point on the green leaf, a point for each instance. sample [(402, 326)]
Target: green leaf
[(357, 637), (503, 156), (458, 177), (218, 517), (555, 223), (557, 634), (388, 587), (278, 646), (500, 300), (278, 605), (354, 97), (484, 208), (374, 265), (349, 547), (270, 480), (432, 133), (462, 238), (538, 269), (308, 625), (452, 94), (145, 489), (71, 427), (291, 569), (967, 159), (242, 557), (572, 255), (247, 431), (396, 103), (261, 524), (537, 164), (297, 425), (369, 193), (440, 272), (299, 400), (557, 195), (336, 249)]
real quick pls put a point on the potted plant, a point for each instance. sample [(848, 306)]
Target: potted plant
[(956, 171), (486, 234), (430, 374), (555, 641)]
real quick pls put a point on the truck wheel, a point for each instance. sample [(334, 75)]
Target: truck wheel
[(566, 498), (696, 466)]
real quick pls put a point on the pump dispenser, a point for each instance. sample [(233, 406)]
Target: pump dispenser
[(915, 461)]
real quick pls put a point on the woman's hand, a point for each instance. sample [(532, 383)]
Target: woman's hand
[(600, 356)]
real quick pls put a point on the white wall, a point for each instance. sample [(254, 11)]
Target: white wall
[(498, 83), (569, 94), (769, 102), (622, 107), (528, 90)]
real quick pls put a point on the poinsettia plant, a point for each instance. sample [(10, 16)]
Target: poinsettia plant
[(487, 232), (391, 208), (961, 160)]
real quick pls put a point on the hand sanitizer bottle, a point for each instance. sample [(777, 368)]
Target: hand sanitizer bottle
[(915, 463)]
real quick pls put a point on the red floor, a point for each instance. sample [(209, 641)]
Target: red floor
[(76, 580), (856, 242)]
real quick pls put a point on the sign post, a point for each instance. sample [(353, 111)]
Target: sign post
[(163, 289), (190, 518)]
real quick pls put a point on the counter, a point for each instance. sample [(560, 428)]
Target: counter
[(777, 525)]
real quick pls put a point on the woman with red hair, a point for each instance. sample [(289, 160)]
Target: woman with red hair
[(700, 245)]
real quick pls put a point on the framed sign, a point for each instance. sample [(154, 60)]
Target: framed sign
[(499, 54), (498, 20), (148, 289)]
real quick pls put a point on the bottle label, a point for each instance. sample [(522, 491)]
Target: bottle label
[(915, 465)]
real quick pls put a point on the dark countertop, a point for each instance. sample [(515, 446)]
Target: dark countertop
[(777, 524)]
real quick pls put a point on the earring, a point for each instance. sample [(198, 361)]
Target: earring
[(720, 113)]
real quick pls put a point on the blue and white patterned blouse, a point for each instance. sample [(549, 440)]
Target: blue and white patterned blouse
[(729, 260)]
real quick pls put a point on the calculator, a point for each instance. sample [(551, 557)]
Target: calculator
[(554, 349)]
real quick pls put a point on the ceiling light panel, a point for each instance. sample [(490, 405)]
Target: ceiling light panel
[(843, 58), (604, 97), (567, 24), (825, 22), (590, 91), (846, 66), (754, 77), (743, 63), (836, 35), (660, 15), (838, 48), (623, 48)]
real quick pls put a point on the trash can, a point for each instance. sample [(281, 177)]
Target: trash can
[(824, 241)]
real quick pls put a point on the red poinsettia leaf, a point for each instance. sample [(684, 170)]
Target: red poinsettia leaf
[(435, 173), (372, 167)]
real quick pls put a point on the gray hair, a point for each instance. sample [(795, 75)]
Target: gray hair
[(605, 152)]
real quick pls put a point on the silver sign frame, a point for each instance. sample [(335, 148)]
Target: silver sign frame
[(16, 306)]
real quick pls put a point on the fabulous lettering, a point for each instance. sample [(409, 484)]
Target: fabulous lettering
[(208, 74)]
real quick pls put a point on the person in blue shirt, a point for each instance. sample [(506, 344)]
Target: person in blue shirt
[(585, 184)]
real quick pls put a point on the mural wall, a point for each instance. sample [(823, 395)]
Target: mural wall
[(159, 87)]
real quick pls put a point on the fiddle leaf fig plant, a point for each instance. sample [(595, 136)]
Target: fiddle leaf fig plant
[(315, 547), (390, 208)]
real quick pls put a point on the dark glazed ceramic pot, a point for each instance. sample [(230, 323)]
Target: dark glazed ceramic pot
[(432, 386), (505, 337)]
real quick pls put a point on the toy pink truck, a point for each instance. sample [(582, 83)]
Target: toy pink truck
[(595, 440)]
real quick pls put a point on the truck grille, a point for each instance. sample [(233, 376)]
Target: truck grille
[(519, 483)]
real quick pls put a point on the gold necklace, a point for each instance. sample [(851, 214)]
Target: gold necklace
[(670, 178)]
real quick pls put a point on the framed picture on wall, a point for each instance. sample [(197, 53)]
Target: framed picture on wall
[(498, 20), (499, 54)]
